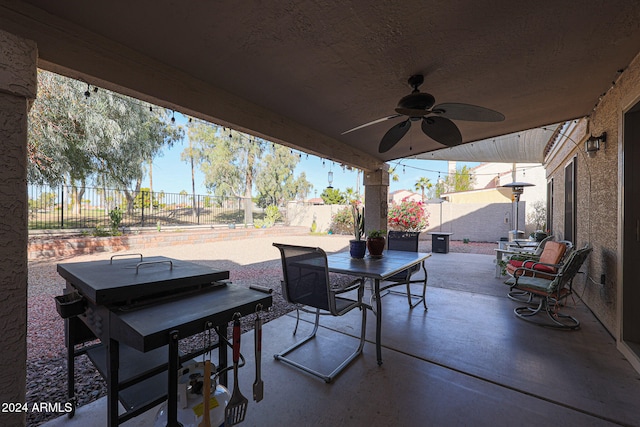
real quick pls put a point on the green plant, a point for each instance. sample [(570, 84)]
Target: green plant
[(357, 211), (103, 232), (342, 221), (115, 215), (271, 215), (376, 234)]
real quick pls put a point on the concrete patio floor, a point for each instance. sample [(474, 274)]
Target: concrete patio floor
[(466, 361)]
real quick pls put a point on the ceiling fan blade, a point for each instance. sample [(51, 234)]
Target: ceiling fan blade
[(467, 112), (394, 135), (441, 130), (371, 123)]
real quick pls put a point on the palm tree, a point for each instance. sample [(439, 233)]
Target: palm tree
[(421, 184)]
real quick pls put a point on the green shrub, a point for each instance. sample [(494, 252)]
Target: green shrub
[(115, 215), (271, 215), (342, 221)]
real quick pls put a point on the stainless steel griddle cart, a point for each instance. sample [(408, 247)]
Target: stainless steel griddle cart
[(136, 310)]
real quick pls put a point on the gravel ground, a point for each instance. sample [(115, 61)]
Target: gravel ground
[(253, 261)]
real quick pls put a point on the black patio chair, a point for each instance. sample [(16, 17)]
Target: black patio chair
[(406, 241), (553, 291), (307, 285)]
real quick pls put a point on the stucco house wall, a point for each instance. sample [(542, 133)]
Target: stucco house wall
[(597, 184), (18, 84)]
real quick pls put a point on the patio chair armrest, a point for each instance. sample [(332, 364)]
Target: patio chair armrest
[(522, 271), (341, 286), (535, 263)]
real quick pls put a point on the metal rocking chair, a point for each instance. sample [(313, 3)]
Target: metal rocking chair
[(406, 241), (551, 290), (548, 261), (307, 285)]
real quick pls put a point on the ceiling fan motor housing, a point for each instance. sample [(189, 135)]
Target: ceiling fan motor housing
[(417, 101)]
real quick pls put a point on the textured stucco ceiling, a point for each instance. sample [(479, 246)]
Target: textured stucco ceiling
[(303, 72)]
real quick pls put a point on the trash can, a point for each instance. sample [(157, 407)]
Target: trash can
[(440, 242)]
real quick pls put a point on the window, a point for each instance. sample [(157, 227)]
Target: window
[(570, 201)]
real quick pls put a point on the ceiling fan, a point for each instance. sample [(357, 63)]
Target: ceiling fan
[(436, 121)]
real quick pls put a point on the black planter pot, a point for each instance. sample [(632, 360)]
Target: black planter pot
[(357, 248)]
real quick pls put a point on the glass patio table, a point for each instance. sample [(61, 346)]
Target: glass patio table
[(378, 269)]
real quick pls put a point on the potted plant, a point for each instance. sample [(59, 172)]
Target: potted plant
[(357, 246), (376, 240)]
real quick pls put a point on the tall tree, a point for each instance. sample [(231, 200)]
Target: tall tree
[(423, 184), (229, 161), (276, 182), (461, 180), (189, 155), (77, 135), (139, 135), (333, 196)]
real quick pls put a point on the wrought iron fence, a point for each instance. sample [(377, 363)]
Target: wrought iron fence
[(67, 207)]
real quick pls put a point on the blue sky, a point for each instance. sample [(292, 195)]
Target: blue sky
[(172, 175)]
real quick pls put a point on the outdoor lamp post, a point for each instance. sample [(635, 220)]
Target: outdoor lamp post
[(517, 188)]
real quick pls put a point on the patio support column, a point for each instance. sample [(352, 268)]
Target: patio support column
[(376, 184), (18, 83)]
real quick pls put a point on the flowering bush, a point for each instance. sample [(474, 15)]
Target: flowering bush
[(349, 220), (342, 221), (408, 215)]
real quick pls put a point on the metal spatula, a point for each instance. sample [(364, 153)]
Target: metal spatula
[(236, 409), (258, 385)]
